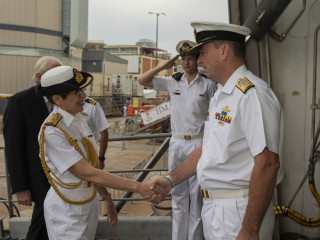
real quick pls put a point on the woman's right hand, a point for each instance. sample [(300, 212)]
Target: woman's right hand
[(112, 212)]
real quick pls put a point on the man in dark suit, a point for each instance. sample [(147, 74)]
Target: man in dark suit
[(24, 114)]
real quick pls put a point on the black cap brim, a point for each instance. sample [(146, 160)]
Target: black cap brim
[(66, 86), (196, 49)]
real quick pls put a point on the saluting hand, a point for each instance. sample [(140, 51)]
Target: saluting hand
[(170, 63)]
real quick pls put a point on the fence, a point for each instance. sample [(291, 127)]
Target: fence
[(133, 153)]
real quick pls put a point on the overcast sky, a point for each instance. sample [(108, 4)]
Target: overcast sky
[(124, 22)]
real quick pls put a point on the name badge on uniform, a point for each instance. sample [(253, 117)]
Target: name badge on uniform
[(176, 92), (222, 117)]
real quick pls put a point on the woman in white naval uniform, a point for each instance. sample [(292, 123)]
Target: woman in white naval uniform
[(190, 94), (68, 153)]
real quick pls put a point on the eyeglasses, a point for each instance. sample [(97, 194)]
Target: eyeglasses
[(77, 92)]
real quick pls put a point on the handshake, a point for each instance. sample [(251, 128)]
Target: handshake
[(155, 190)]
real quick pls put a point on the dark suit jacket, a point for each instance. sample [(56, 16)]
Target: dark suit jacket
[(23, 117)]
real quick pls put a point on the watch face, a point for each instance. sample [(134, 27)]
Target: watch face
[(102, 158)]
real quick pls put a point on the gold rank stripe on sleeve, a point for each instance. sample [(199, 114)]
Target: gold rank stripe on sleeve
[(53, 119), (91, 101), (244, 84)]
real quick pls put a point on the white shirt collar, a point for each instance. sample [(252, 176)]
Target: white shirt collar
[(185, 79), (231, 83), (67, 117)]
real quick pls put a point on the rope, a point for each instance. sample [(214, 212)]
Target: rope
[(299, 218), (92, 156)]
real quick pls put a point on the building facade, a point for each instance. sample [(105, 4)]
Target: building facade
[(31, 29), (140, 58)]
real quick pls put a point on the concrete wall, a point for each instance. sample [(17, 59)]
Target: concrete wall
[(115, 68), (128, 228)]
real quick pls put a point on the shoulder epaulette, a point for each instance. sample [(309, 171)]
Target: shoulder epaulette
[(53, 119), (203, 75), (177, 76), (91, 101), (244, 84)]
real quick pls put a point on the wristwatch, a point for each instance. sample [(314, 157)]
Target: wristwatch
[(102, 158), (171, 180), (106, 196)]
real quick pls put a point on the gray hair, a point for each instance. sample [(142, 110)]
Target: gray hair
[(238, 48), (42, 65)]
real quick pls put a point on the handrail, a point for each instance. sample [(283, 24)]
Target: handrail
[(155, 158), (143, 172), (140, 136)]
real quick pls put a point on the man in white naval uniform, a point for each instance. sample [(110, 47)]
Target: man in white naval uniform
[(238, 164), (190, 94), (94, 116)]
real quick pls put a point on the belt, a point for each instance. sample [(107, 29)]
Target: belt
[(186, 137), (241, 193)]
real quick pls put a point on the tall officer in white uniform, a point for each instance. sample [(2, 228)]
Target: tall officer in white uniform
[(94, 115), (190, 94), (238, 163), (68, 154)]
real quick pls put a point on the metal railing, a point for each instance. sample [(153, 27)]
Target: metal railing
[(139, 174)]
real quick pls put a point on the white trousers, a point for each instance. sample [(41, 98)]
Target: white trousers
[(186, 199), (222, 219), (71, 222)]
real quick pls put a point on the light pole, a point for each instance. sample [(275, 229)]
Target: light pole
[(157, 34)]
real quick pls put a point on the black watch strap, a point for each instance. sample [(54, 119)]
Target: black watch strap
[(102, 158)]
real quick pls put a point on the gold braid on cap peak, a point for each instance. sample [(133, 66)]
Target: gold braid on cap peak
[(92, 156), (185, 47), (78, 77)]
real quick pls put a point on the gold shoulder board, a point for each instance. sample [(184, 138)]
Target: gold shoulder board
[(53, 119), (244, 84), (91, 101)]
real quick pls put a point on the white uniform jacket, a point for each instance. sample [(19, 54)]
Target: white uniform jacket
[(239, 127), (94, 116), (189, 102)]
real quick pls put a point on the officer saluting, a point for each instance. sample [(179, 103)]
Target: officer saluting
[(238, 163), (190, 94)]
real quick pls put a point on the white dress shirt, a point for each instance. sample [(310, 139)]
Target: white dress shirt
[(189, 102), (95, 118), (254, 121)]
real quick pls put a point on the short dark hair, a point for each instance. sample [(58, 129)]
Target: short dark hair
[(63, 95), (196, 55), (238, 48)]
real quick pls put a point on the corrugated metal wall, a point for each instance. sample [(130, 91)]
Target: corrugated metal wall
[(291, 76), (30, 29), (27, 24), (44, 14), (79, 23), (16, 73)]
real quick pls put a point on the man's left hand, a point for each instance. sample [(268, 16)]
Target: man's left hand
[(246, 235)]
